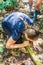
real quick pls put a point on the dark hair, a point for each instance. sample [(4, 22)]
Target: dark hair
[(31, 33)]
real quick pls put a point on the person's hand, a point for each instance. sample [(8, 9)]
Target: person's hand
[(26, 43), (36, 46)]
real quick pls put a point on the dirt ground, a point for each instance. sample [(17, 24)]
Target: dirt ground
[(22, 59)]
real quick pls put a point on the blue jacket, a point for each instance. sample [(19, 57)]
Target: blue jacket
[(13, 26)]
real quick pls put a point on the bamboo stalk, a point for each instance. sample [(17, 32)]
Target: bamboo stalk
[(33, 56)]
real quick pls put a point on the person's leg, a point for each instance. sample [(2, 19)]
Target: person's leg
[(38, 4), (30, 5), (37, 9)]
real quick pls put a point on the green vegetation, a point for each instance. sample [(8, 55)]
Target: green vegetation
[(7, 3)]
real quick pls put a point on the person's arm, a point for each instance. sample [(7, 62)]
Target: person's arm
[(11, 44), (35, 42)]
